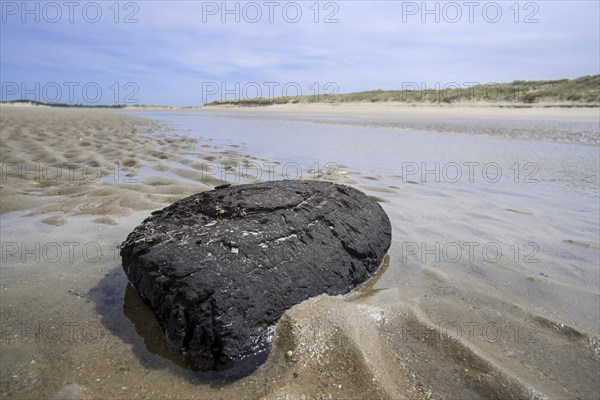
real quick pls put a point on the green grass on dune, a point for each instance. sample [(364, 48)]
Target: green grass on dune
[(39, 103), (584, 91), (69, 105), (579, 92)]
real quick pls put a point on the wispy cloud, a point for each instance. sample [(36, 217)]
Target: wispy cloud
[(170, 52)]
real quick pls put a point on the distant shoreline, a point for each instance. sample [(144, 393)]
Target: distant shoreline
[(30, 103), (377, 111), (325, 105), (383, 110), (582, 92)]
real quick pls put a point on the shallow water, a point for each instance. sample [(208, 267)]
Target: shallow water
[(492, 288), (441, 188)]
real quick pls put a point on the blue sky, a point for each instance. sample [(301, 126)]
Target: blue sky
[(187, 52)]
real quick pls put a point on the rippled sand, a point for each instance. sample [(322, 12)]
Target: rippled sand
[(73, 328), (82, 162)]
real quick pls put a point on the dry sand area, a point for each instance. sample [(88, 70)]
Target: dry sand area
[(464, 110)]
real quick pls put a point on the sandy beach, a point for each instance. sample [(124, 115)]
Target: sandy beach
[(549, 122), (93, 162), (567, 111), (429, 325), (290, 200)]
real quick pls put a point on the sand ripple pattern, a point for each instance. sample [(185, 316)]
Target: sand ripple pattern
[(61, 163)]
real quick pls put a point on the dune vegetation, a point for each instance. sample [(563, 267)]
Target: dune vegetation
[(583, 91)]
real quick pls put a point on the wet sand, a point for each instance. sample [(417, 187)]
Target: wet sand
[(536, 122), (83, 162), (421, 328)]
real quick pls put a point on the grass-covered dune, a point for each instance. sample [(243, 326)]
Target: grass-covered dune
[(79, 105), (38, 103), (583, 91)]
